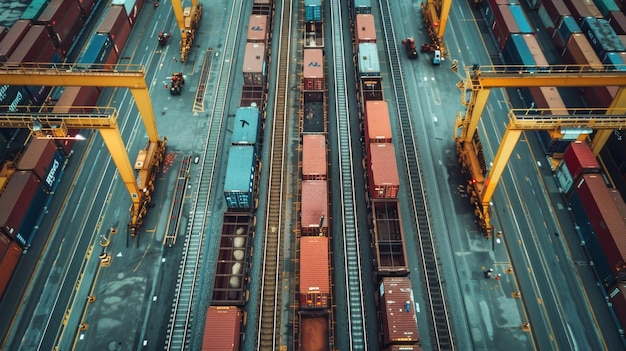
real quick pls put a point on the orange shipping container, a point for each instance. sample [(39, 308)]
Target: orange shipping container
[(8, 263), (222, 329), (377, 124), (254, 64), (399, 321), (578, 51), (257, 29), (314, 272), (365, 29), (382, 172), (314, 206), (313, 69), (314, 159)]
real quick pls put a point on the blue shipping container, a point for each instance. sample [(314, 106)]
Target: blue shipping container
[(516, 51), (14, 96), (567, 27), (240, 177), (53, 173), (606, 6), (587, 235), (97, 51), (35, 9), (246, 127), (313, 10), (362, 7), (32, 218), (520, 19), (615, 61), (601, 35), (368, 60), (488, 13)]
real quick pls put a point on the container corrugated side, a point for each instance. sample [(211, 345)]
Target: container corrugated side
[(580, 159), (520, 19), (556, 9), (314, 157), (13, 38), (599, 97), (15, 200), (117, 25), (601, 36), (377, 122), (32, 218), (314, 207), (580, 9), (617, 20), (222, 329), (399, 322), (34, 9), (566, 27), (258, 29), (52, 177), (37, 157), (579, 51), (254, 64), (314, 273), (365, 29), (517, 52), (382, 171), (240, 174), (503, 25), (131, 8), (313, 10), (8, 264), (246, 126), (313, 70), (535, 50), (369, 65), (606, 6)]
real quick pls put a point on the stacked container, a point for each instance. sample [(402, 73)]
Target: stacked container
[(313, 71), (314, 207), (240, 173), (314, 277)]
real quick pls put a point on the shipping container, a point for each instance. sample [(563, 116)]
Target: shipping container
[(546, 21), (580, 160), (606, 6), (231, 271), (15, 201), (3, 32), (605, 219), (566, 27), (520, 19), (363, 7), (617, 298), (377, 122), (239, 186), (246, 127), (313, 70), (86, 6), (258, 29), (617, 20), (382, 172), (52, 177), (13, 38), (369, 65), (313, 331), (117, 25), (619, 202), (76, 96), (365, 29), (64, 20), (314, 273), (131, 9), (314, 207), (222, 328), (601, 36), (579, 9), (388, 239), (564, 178), (13, 96), (516, 52), (535, 50), (556, 9), (503, 25), (578, 51), (32, 217), (96, 52), (313, 10), (8, 263), (599, 97), (314, 157), (5, 243), (399, 321), (254, 64), (34, 9), (36, 46), (37, 157)]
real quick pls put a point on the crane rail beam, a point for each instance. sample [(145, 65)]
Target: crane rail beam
[(557, 75), (57, 74), (102, 117), (519, 119)]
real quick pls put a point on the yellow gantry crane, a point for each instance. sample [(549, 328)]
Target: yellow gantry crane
[(435, 13), (481, 80), (188, 20), (55, 125)]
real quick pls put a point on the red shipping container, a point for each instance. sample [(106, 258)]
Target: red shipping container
[(35, 44), (377, 123), (556, 9), (314, 157), (64, 20), (15, 200), (579, 160), (131, 7), (76, 96), (8, 264), (314, 272), (599, 97), (222, 328), (399, 322), (617, 297), (86, 6), (503, 25), (619, 203), (382, 172), (5, 243), (617, 20), (258, 29), (254, 64), (365, 29), (38, 156), (313, 72), (116, 24), (580, 9), (578, 51), (548, 98), (314, 200), (13, 38), (605, 220)]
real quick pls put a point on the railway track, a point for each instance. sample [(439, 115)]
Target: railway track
[(441, 328), (350, 230), (178, 330), (270, 309)]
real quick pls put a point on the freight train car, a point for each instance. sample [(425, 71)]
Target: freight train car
[(314, 157), (314, 275), (10, 253), (223, 328), (240, 187), (314, 331), (388, 239), (397, 314), (231, 272), (314, 208)]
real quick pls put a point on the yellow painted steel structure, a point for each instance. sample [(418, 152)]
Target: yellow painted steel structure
[(53, 125), (480, 81), (188, 20), (435, 13)]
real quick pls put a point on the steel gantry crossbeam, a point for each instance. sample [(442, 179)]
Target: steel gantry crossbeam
[(104, 119), (479, 83)]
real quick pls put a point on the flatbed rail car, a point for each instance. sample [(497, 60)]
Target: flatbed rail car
[(388, 239), (231, 272)]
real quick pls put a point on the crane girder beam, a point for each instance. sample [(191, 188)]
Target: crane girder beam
[(549, 76), (100, 118)]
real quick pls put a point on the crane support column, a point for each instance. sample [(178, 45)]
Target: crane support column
[(474, 111), (144, 105), (113, 141), (509, 140)]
